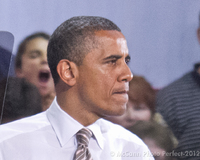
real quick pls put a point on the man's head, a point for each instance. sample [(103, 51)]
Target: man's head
[(74, 38), (88, 59), (31, 62)]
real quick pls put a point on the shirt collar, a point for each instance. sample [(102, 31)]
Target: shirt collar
[(97, 132), (66, 127)]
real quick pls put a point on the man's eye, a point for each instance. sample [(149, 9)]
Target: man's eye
[(112, 61), (127, 61)]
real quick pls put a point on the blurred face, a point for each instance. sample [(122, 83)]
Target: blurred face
[(157, 152), (35, 67), (135, 112), (104, 75)]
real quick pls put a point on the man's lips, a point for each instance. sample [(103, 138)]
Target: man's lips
[(121, 92), (121, 95)]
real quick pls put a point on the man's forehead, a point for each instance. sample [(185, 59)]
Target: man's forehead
[(113, 35), (112, 42), (110, 45), (122, 42), (109, 33), (108, 36)]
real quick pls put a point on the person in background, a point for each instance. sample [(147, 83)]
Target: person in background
[(88, 57), (6, 56), (18, 99), (6, 65), (179, 105), (158, 138), (141, 103), (31, 64)]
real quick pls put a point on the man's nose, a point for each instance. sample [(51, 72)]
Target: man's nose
[(126, 74)]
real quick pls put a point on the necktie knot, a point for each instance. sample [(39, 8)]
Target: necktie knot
[(83, 136), (82, 153)]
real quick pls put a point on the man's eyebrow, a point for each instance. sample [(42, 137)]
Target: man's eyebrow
[(128, 57), (113, 57)]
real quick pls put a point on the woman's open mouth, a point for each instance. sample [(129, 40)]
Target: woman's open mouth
[(44, 76)]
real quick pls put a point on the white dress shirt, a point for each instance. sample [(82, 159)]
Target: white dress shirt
[(50, 135)]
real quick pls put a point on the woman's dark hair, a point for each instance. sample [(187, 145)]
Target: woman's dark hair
[(23, 44)]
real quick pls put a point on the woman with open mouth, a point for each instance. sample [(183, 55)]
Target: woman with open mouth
[(31, 64)]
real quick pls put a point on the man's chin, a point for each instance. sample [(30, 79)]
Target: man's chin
[(117, 112)]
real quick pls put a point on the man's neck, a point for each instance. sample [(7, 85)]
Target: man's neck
[(76, 110)]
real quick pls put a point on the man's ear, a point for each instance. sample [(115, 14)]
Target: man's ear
[(67, 71), (198, 34)]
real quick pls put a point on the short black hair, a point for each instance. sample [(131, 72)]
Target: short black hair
[(21, 99), (73, 39), (22, 46)]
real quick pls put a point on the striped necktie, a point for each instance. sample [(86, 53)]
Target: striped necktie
[(82, 153)]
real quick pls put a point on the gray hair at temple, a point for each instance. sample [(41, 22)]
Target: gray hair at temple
[(74, 38)]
